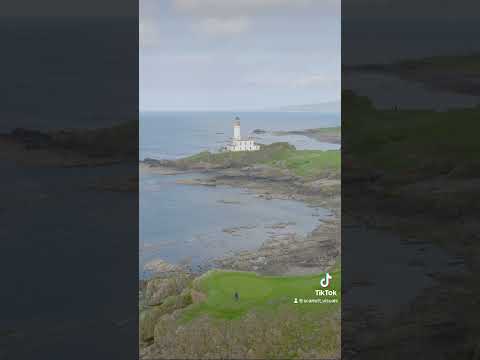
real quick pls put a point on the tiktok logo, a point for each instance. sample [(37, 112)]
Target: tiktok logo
[(325, 282)]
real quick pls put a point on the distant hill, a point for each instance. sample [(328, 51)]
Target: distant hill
[(328, 107)]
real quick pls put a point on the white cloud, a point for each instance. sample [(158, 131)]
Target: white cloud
[(229, 26), (234, 8), (216, 17), (312, 80), (187, 59), (291, 80)]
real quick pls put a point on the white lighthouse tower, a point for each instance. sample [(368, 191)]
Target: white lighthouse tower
[(236, 129), (239, 144)]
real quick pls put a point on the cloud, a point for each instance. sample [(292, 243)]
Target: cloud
[(234, 8), (229, 17), (229, 26), (312, 80), (290, 80)]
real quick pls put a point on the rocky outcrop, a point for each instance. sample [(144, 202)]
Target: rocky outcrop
[(197, 296), (255, 336), (159, 289), (290, 254), (205, 160), (149, 317), (161, 296), (163, 268), (155, 162)]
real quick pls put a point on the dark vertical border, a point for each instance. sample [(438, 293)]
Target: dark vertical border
[(410, 180), (69, 165)]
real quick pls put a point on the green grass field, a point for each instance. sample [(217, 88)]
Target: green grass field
[(261, 293), (264, 323), (305, 163), (309, 163)]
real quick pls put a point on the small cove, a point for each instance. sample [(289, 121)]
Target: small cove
[(196, 224)]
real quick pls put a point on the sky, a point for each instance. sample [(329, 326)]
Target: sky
[(238, 54)]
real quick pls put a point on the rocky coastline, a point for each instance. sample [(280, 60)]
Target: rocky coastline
[(283, 254), (275, 172)]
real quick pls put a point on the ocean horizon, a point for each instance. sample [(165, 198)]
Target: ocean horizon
[(171, 135)]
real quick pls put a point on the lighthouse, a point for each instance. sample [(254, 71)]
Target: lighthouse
[(236, 129), (239, 144)]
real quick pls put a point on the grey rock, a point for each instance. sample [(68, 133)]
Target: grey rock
[(157, 290)]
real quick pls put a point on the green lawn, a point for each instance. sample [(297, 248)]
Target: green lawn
[(264, 293), (309, 163), (305, 163)]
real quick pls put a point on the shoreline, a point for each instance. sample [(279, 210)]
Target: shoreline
[(324, 135), (280, 255)]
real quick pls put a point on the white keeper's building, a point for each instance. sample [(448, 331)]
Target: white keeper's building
[(239, 144)]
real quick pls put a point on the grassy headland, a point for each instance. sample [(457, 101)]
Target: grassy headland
[(261, 293), (283, 156), (263, 323)]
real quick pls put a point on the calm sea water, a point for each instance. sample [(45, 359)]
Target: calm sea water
[(200, 223), (192, 223), (176, 134)]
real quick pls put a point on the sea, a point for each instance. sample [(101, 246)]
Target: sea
[(170, 135), (197, 224)]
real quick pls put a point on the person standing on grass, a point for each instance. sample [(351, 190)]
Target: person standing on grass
[(236, 296)]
